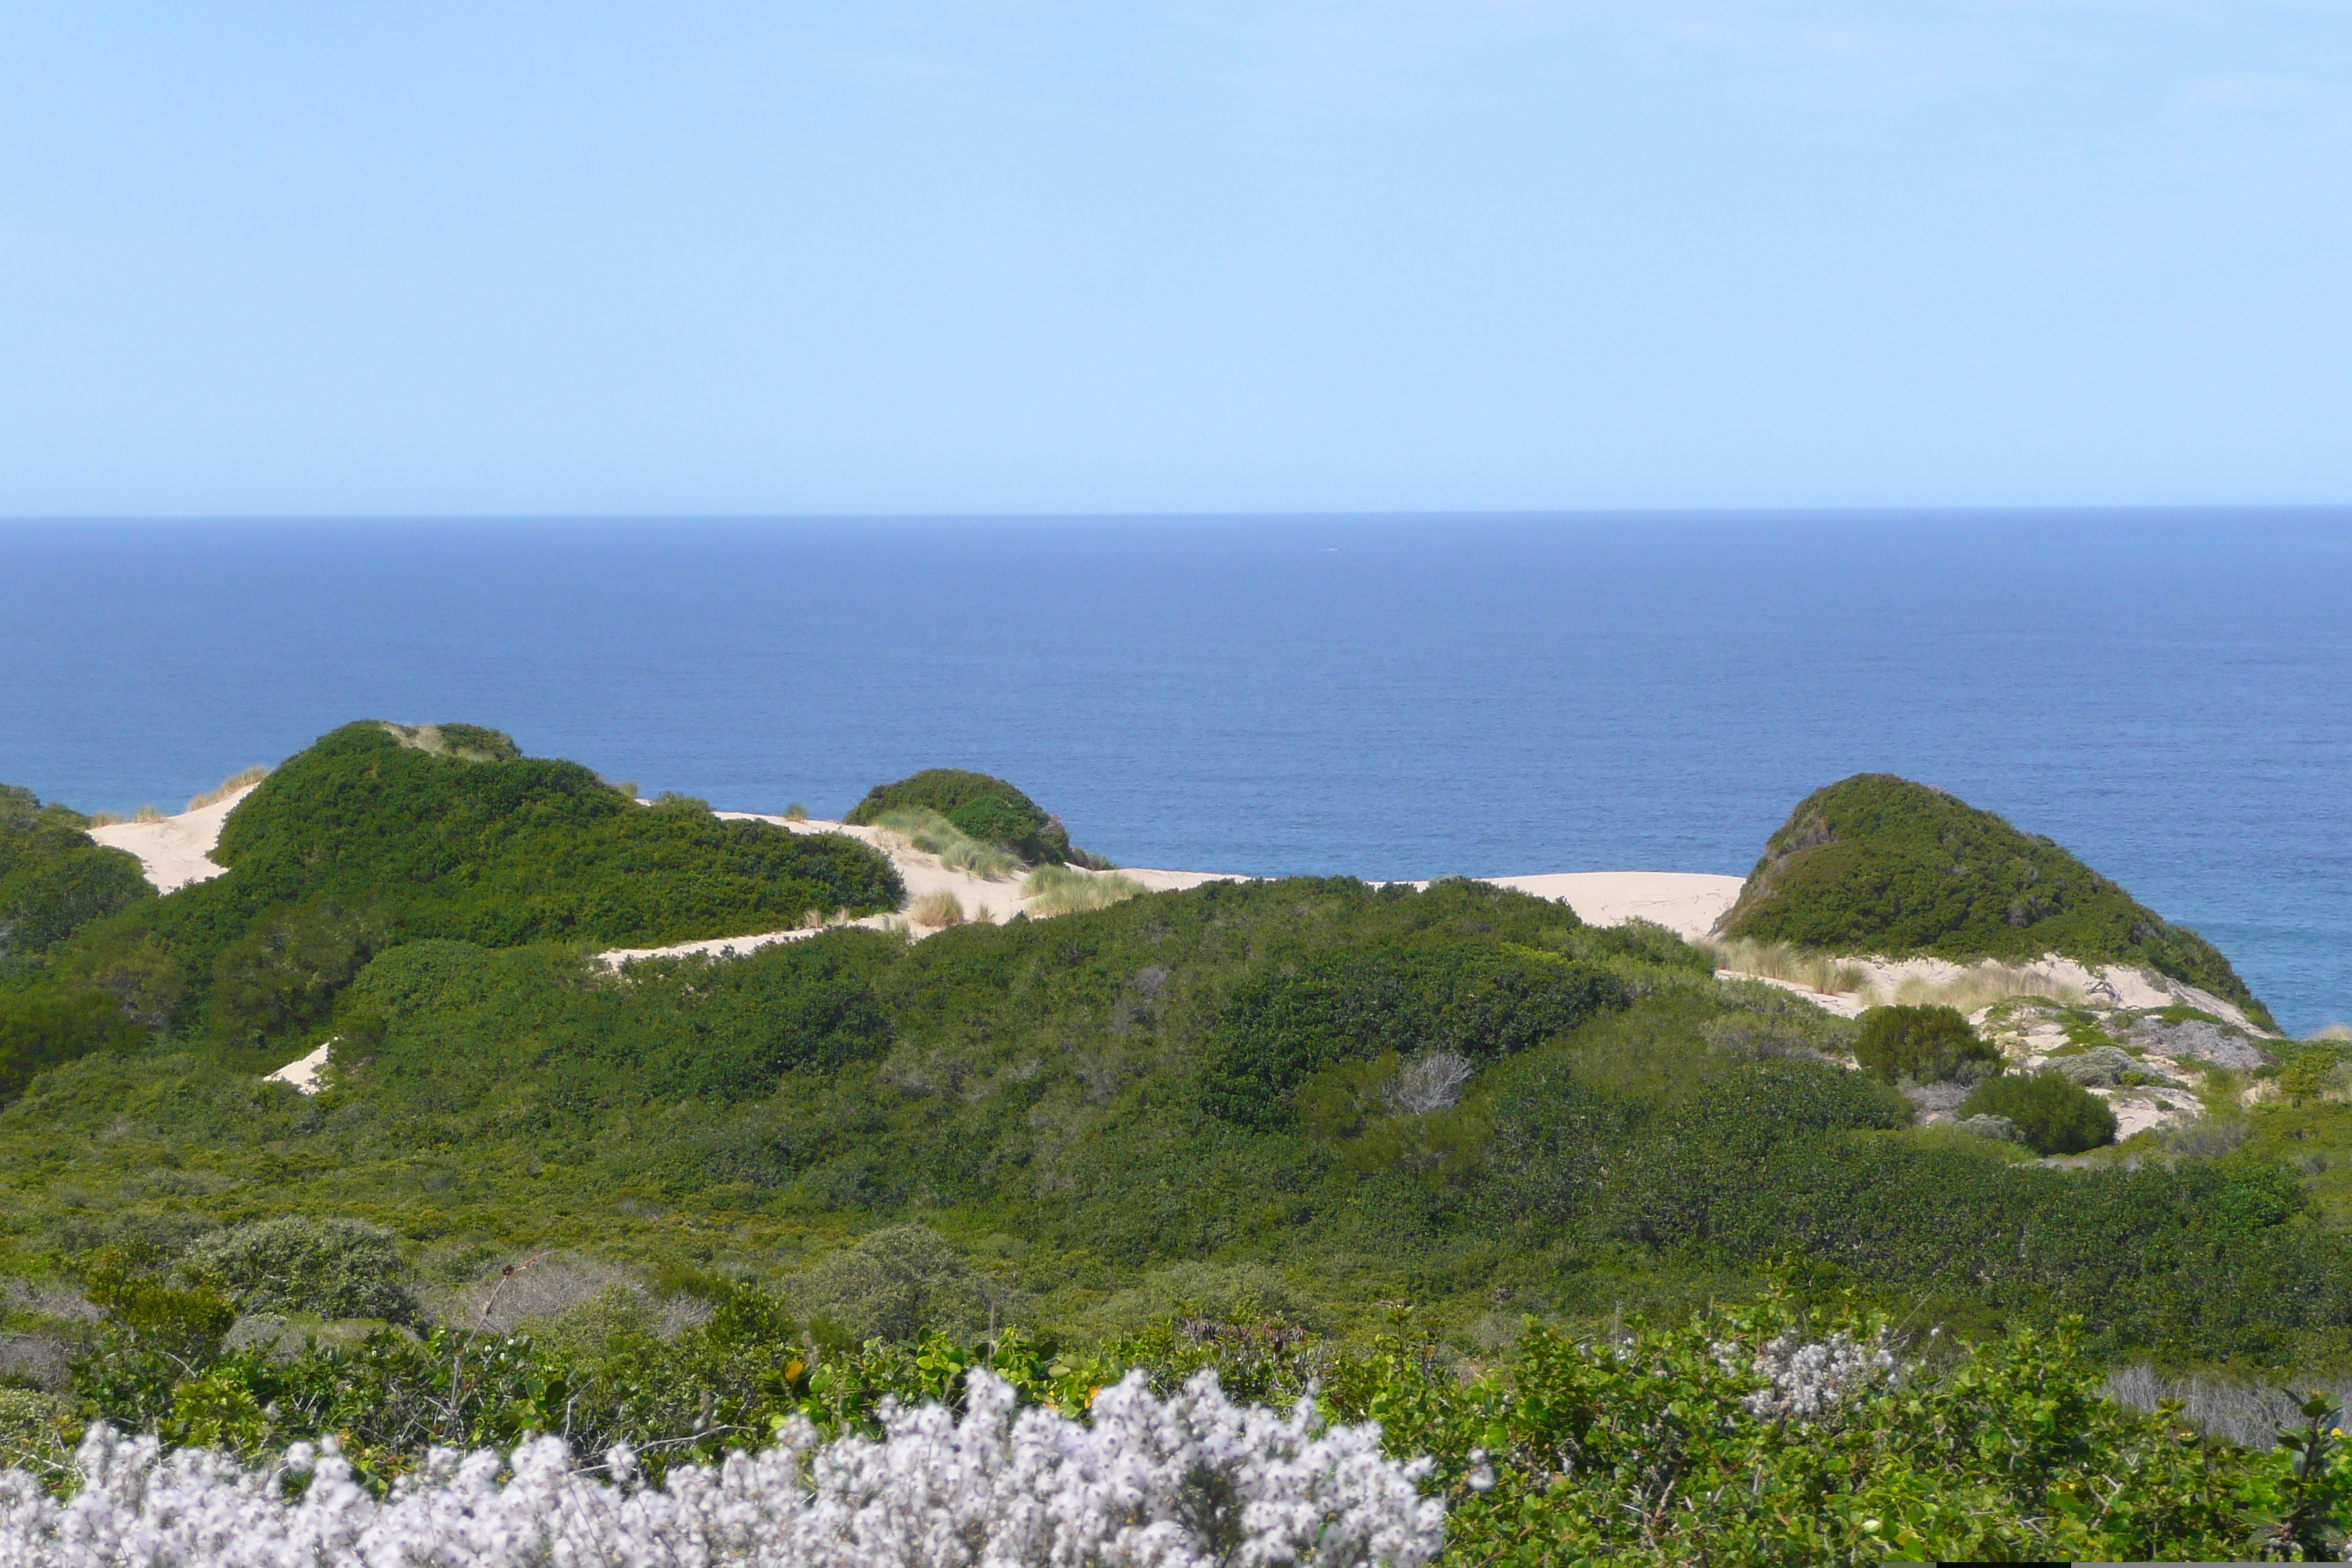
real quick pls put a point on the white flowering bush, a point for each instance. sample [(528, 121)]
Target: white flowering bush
[(1190, 1482), (1805, 1379)]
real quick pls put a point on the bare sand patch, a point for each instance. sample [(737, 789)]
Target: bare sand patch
[(175, 852)]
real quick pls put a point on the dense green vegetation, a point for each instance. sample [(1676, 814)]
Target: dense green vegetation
[(1877, 864), (376, 836), (1235, 1077), (53, 879), (986, 809), (1247, 1124)]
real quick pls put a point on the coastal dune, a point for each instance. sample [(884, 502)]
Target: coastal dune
[(175, 852)]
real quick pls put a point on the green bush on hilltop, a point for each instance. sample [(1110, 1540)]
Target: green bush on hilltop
[(2053, 1113), (986, 809), (1880, 864), (1925, 1045)]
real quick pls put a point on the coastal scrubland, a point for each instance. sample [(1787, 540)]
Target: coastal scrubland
[(1876, 864), (1599, 1230)]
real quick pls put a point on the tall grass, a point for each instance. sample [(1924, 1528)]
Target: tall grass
[(934, 835), (2248, 1415), (1058, 891), (1780, 960), (1979, 985), (227, 787)]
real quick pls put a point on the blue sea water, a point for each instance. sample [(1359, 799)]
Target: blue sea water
[(2169, 694)]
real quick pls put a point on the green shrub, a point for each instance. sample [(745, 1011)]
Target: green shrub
[(326, 1267), (1478, 1000), (984, 808), (1877, 864), (283, 974), (43, 1027), (2052, 1112), (891, 1285), (1926, 1044), (53, 879)]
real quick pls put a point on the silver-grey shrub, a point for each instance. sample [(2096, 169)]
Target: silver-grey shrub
[(326, 1267), (1192, 1482)]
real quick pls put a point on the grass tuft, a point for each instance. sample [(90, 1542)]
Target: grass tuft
[(934, 835), (937, 910), (1058, 891), (227, 787)]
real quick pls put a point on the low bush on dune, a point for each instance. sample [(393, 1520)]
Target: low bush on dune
[(1922, 1045), (47, 1026), (1876, 864), (2052, 1112), (987, 810)]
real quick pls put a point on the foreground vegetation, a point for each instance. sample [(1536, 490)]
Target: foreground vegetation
[(1876, 864), (1770, 1434)]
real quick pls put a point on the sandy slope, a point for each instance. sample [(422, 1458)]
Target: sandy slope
[(174, 852)]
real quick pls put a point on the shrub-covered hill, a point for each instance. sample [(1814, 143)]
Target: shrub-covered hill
[(1880, 864), (53, 879), (376, 835), (982, 807), (1342, 1097)]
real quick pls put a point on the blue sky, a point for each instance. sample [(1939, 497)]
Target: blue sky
[(1017, 255)]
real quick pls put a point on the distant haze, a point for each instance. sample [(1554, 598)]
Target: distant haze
[(1393, 255)]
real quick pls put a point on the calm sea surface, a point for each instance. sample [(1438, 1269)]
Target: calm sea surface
[(2168, 694)]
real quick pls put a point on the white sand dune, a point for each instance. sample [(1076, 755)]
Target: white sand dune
[(175, 851), (1688, 903)]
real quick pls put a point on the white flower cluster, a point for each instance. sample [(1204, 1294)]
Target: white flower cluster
[(1195, 1482), (1806, 1379)]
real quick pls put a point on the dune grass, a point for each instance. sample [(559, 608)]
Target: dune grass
[(1780, 961), (937, 910), (934, 835), (227, 787), (1979, 985), (1058, 891)]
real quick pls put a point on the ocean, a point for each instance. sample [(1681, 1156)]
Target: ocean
[(2166, 693)]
